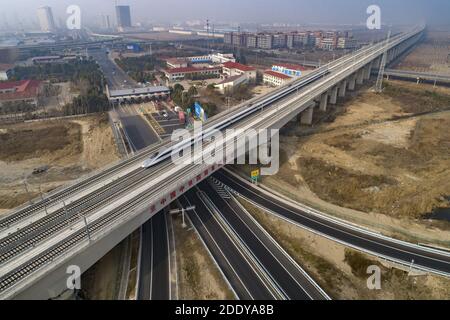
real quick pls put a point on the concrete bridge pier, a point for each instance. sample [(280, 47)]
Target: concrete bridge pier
[(323, 102), (333, 95), (367, 71), (390, 55), (360, 77), (343, 89), (307, 115), (377, 63), (352, 82)]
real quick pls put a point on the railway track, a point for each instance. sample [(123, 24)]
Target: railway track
[(58, 196), (49, 255), (24, 213), (69, 237), (42, 229)]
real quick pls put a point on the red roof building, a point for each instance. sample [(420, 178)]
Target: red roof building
[(231, 69), (238, 66), (290, 66), (24, 90), (276, 79), (180, 73)]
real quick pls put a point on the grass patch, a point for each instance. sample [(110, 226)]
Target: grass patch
[(358, 262), (417, 101)]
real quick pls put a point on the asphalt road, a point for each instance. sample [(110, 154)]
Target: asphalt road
[(287, 276), (136, 128), (231, 260), (153, 281), (154, 260), (117, 79), (169, 124), (414, 256)]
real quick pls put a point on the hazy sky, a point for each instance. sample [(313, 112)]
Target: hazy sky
[(291, 11)]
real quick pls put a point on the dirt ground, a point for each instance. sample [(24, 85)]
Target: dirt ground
[(433, 55), (342, 272), (101, 282), (69, 148), (198, 276), (377, 164)]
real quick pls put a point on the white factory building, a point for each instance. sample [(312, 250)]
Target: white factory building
[(275, 79), (231, 82), (290, 70), (231, 69)]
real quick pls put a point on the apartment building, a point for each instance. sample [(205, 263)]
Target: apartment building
[(265, 41)]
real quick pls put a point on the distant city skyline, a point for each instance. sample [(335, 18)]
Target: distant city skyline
[(283, 11), (46, 20)]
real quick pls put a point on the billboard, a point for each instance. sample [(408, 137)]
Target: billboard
[(199, 112), (134, 47)]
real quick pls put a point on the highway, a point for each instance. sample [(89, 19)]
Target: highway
[(415, 76), (407, 254), (117, 79), (231, 259), (154, 271), (285, 275), (153, 281), (151, 186), (137, 130)]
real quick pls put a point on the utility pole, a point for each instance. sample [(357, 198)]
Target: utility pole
[(207, 35), (65, 211), (379, 85), (40, 192), (228, 103), (26, 189), (182, 211), (87, 227)]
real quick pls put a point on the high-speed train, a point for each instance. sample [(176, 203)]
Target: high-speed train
[(252, 108)]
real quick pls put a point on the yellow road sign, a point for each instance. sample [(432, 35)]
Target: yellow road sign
[(255, 174)]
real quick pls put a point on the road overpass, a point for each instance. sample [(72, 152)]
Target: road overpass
[(418, 77), (400, 252), (78, 224)]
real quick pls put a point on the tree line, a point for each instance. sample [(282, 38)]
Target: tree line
[(85, 76)]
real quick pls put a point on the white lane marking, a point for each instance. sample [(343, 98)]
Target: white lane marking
[(336, 229), (168, 257), (151, 259), (299, 268), (259, 240), (220, 250), (245, 251)]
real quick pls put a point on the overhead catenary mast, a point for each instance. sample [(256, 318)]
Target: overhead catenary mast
[(379, 85), (207, 35)]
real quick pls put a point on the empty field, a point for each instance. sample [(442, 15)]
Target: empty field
[(433, 55), (66, 149), (342, 272), (384, 162)]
